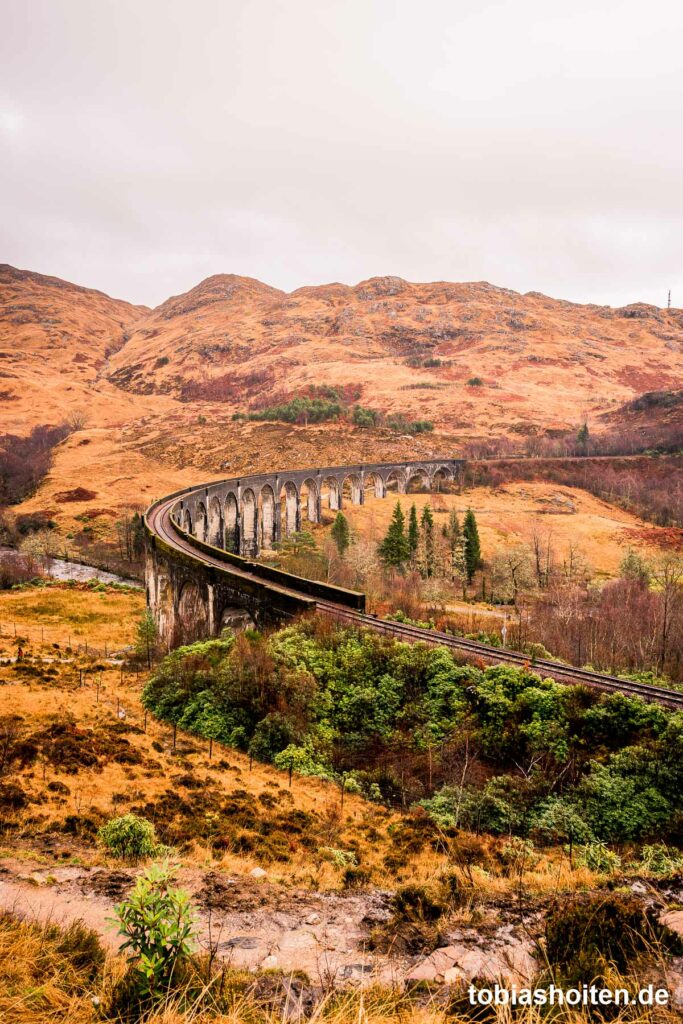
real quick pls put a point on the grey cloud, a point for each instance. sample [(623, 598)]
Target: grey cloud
[(145, 145)]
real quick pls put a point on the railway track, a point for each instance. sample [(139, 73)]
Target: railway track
[(161, 524), (562, 673)]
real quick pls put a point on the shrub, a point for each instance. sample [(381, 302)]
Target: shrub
[(475, 382), (157, 923), (598, 857), (417, 903), (586, 933), (660, 859), (80, 946), (128, 837)]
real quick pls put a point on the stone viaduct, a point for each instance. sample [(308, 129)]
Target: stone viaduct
[(201, 573)]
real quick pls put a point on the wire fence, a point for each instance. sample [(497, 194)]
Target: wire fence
[(16, 632)]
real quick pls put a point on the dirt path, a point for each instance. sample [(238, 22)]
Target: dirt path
[(252, 923)]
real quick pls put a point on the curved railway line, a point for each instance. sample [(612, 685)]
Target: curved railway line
[(161, 524)]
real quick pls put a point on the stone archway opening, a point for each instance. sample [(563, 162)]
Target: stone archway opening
[(215, 531), (442, 479), (248, 521), (396, 482), (186, 521), (201, 524), (373, 485), (329, 493), (417, 482), (236, 618), (352, 490)]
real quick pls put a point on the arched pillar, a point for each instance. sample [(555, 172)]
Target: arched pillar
[(310, 500), (267, 517), (291, 506), (248, 523), (216, 532)]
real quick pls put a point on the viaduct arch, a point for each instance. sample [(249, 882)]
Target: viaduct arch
[(202, 542)]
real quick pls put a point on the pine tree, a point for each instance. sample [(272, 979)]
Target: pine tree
[(341, 535), (394, 549), (472, 544), (413, 531), (459, 563), (147, 636), (583, 438), (427, 524), (456, 546), (453, 528)]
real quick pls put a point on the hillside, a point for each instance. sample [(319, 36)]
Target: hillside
[(55, 339), (401, 347), (153, 393)]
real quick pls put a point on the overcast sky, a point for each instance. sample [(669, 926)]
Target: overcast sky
[(536, 144)]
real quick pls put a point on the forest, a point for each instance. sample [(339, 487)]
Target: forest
[(496, 750)]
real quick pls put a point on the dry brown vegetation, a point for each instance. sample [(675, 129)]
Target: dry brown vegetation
[(76, 750), (121, 376), (70, 762)]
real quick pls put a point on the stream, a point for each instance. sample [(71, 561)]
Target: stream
[(63, 569)]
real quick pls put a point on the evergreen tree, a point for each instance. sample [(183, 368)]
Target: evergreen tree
[(633, 567), (427, 524), (394, 549), (453, 528), (472, 544), (413, 531), (583, 438), (147, 636), (341, 534)]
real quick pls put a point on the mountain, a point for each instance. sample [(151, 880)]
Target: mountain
[(153, 393), (55, 339), (468, 356)]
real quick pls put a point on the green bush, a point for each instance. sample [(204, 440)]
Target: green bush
[(158, 926), (659, 859), (597, 857), (128, 837)]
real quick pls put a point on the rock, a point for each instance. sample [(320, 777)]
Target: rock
[(313, 919), (258, 873), (425, 971), (639, 889), (673, 919), (241, 942), (509, 961), (355, 971), (269, 963)]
